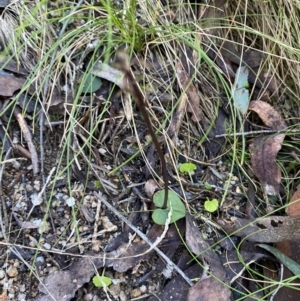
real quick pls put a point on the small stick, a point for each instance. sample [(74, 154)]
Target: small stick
[(258, 132), (136, 91)]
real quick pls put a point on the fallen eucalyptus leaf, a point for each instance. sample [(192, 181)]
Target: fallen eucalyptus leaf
[(264, 149)]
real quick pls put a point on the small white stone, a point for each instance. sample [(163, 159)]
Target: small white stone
[(122, 296), (143, 288), (102, 151), (16, 164), (47, 246), (22, 297)]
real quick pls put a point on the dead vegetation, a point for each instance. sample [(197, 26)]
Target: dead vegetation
[(79, 165)]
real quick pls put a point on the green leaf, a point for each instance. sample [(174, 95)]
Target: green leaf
[(174, 205), (207, 186), (187, 167), (241, 93), (91, 83), (97, 184), (211, 206), (292, 265), (101, 281)]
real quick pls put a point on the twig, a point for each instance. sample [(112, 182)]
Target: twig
[(140, 100), (144, 237), (28, 137), (94, 237), (38, 197), (258, 132)]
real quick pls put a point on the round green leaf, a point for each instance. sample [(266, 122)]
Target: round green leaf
[(211, 206), (174, 204), (187, 167), (159, 216), (101, 281), (91, 83)]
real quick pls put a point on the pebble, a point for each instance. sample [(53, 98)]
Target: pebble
[(2, 274), (22, 288), (47, 246), (122, 296), (22, 297), (115, 289), (135, 293), (40, 261), (12, 272), (143, 288), (88, 297)]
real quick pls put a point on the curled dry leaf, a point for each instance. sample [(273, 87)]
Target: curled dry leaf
[(264, 149), (268, 114), (263, 160)]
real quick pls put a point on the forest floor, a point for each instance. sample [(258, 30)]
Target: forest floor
[(106, 107)]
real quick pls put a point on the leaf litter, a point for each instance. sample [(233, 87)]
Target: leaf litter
[(264, 149), (126, 253)]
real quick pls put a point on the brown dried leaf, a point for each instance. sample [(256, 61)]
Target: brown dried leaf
[(267, 114), (267, 230), (264, 149), (199, 291), (9, 84), (62, 285), (129, 256), (293, 208), (291, 249), (209, 289), (184, 80), (263, 159), (11, 65)]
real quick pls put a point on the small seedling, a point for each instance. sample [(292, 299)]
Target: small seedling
[(207, 186), (97, 184), (101, 281), (211, 205), (188, 168), (174, 204)]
